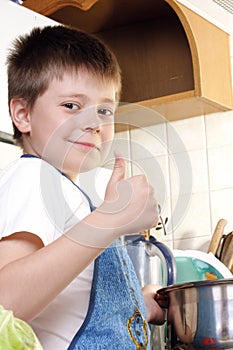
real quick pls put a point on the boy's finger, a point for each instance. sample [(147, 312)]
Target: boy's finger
[(119, 169)]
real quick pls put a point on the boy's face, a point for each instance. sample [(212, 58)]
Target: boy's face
[(72, 123)]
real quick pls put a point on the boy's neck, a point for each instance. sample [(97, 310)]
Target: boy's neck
[(72, 177)]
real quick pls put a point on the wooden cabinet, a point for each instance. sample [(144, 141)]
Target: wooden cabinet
[(172, 60)]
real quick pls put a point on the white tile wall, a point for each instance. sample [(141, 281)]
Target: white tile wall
[(198, 243), (199, 178), (148, 142), (198, 175), (156, 170), (183, 175), (191, 215), (186, 135), (219, 128), (222, 207), (220, 162)]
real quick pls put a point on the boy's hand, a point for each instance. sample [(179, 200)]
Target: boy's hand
[(154, 313), (129, 203), (118, 174)]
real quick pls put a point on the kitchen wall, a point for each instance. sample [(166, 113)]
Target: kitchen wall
[(14, 20), (189, 163)]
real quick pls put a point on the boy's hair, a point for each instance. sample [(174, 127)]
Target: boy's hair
[(49, 52)]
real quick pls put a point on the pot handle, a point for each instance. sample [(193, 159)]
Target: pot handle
[(167, 254), (162, 300)]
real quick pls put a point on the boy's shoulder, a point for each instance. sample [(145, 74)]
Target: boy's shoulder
[(20, 165), (25, 170)]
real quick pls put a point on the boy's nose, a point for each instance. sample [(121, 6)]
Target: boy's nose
[(95, 129), (90, 121)]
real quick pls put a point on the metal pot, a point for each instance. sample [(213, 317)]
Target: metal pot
[(200, 314)]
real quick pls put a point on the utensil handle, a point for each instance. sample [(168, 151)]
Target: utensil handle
[(162, 300), (169, 259), (217, 236)]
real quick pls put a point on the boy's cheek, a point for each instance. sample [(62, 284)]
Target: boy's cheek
[(108, 130)]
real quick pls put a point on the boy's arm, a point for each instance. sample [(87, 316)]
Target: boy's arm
[(32, 275)]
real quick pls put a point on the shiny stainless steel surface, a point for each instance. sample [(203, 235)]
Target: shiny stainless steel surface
[(153, 261), (200, 314)]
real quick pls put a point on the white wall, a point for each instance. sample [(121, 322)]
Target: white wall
[(14, 20)]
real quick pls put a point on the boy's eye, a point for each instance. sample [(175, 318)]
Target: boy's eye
[(106, 112), (72, 106)]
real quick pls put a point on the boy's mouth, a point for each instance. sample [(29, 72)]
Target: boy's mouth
[(85, 145)]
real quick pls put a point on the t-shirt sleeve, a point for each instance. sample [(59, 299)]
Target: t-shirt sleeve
[(28, 202)]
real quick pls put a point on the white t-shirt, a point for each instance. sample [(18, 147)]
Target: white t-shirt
[(37, 198)]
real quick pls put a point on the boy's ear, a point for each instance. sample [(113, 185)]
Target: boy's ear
[(20, 114)]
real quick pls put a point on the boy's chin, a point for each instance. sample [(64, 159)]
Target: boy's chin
[(91, 161), (75, 168), (74, 164), (88, 165)]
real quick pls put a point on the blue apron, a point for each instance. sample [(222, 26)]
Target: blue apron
[(116, 314)]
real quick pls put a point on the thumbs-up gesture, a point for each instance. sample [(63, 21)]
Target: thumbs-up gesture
[(129, 205)]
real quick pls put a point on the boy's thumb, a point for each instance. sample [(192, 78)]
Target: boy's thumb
[(119, 168)]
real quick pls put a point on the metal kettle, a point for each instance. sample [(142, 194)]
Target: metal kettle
[(154, 263)]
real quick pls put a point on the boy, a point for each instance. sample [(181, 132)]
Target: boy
[(55, 270)]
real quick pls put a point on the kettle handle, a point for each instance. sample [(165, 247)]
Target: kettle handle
[(169, 259)]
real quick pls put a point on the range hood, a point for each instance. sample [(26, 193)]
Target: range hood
[(218, 12)]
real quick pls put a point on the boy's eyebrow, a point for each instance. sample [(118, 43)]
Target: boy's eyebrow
[(85, 97)]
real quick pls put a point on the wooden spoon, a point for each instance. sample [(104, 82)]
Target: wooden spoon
[(217, 236)]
